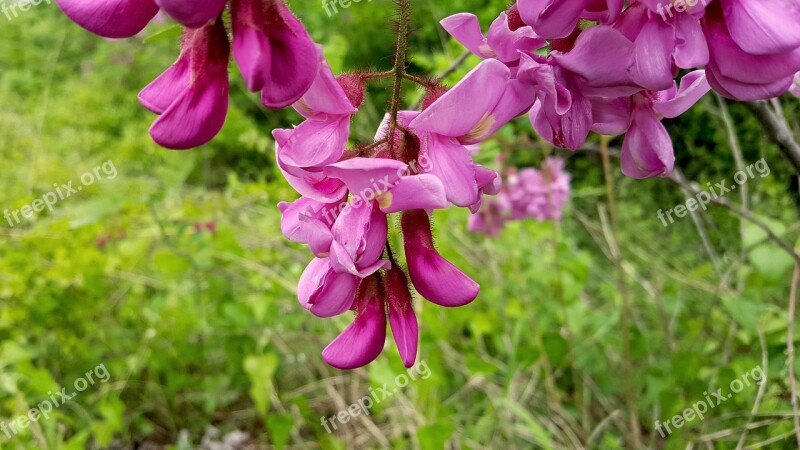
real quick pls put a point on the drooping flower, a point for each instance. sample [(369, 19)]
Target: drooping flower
[(191, 97), (328, 285), (110, 18), (363, 340), (647, 149), (192, 13), (274, 51), (539, 194), (434, 277)]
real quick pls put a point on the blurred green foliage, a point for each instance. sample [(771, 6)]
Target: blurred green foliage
[(175, 276)]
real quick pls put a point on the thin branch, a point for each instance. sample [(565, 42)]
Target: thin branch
[(778, 131)]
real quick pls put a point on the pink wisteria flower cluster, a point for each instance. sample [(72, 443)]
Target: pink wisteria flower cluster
[(538, 194), (574, 66)]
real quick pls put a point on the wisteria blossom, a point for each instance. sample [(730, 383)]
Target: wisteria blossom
[(572, 68)]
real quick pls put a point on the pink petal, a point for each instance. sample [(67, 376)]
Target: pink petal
[(423, 191), (647, 150), (361, 342), (316, 142), (367, 177), (552, 19), (466, 29), (452, 163), (434, 277), (761, 27), (457, 112), (693, 87), (110, 18), (402, 319), (325, 292), (192, 13)]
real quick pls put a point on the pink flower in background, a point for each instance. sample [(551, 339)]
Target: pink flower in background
[(539, 194), (191, 97), (191, 12), (110, 18), (273, 50), (491, 218)]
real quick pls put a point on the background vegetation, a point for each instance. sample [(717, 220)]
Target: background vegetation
[(175, 276)]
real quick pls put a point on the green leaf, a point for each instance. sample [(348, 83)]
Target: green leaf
[(167, 34)]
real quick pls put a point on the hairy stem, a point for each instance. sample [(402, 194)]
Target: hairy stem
[(400, 60)]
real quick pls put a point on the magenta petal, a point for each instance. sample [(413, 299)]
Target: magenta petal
[(552, 19), (402, 319), (361, 342), (647, 150), (737, 90), (195, 117), (317, 142), (423, 191), (452, 163), (763, 27), (691, 48), (434, 277), (611, 117), (367, 178), (652, 62), (693, 87), (309, 222), (110, 18), (160, 93), (466, 29), (273, 50), (325, 292), (192, 13), (601, 55), (507, 44), (325, 96), (460, 109)]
